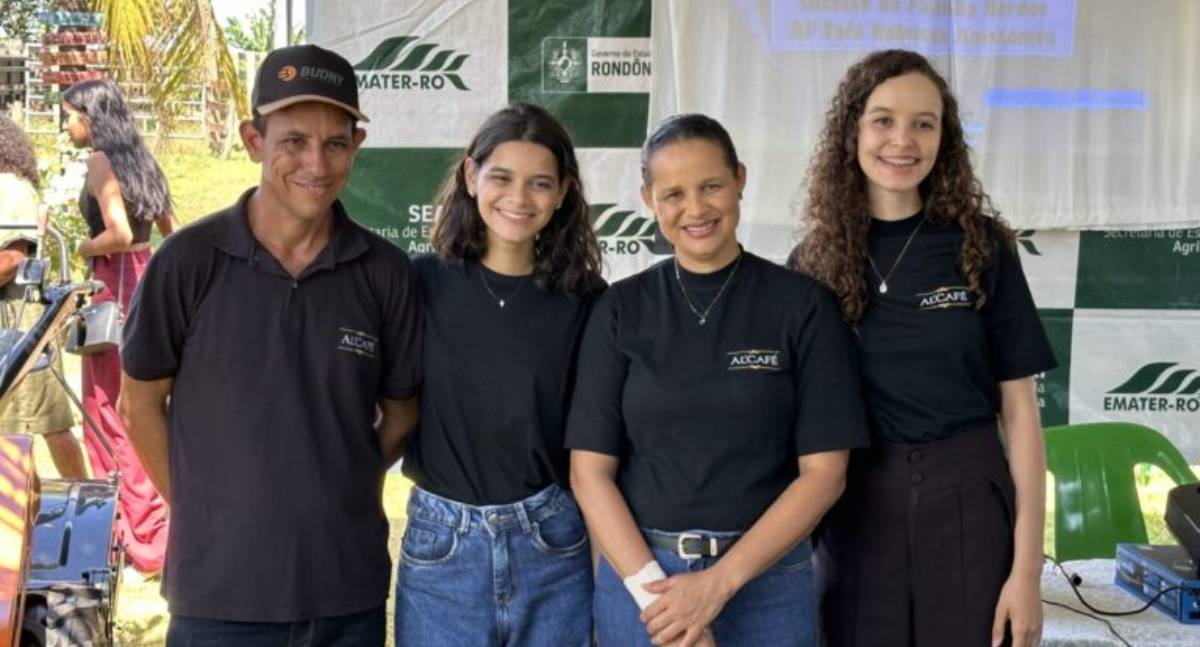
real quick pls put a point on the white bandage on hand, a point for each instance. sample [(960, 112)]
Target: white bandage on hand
[(651, 572)]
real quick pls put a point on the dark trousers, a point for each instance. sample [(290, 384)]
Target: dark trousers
[(365, 629), (917, 549)]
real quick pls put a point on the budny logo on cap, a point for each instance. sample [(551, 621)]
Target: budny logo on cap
[(289, 73), (321, 74), (1155, 387)]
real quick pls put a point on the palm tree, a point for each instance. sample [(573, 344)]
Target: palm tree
[(169, 44)]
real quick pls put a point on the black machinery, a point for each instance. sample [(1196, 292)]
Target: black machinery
[(76, 555)]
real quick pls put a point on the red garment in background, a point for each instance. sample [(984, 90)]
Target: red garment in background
[(144, 513)]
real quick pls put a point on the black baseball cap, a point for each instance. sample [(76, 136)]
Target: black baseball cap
[(291, 75)]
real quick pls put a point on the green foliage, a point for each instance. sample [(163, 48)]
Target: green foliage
[(62, 178), (171, 44), (18, 18), (201, 183), (257, 34)]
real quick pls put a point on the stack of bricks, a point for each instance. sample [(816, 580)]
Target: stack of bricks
[(73, 47)]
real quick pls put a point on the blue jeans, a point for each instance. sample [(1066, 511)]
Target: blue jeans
[(515, 574), (777, 608), (365, 629)]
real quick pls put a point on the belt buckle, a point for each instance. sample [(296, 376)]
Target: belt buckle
[(684, 554)]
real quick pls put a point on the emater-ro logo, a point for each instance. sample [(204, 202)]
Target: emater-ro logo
[(420, 67), (1155, 387)]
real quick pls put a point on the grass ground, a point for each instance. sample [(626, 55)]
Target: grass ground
[(202, 184)]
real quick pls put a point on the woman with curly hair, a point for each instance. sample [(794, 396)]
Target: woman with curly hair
[(938, 539), (491, 524), (124, 195), (38, 404)]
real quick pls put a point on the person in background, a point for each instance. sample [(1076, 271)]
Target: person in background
[(491, 524), (39, 405), (938, 539), (717, 400), (124, 195)]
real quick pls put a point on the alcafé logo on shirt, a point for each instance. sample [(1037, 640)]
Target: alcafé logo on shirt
[(754, 360), (955, 296), (357, 342)]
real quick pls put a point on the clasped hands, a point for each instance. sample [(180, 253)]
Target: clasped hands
[(687, 605)]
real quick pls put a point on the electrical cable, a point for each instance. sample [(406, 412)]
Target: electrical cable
[(1074, 580)]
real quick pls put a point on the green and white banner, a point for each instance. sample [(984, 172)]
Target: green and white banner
[(1069, 131), (429, 73), (1122, 309)]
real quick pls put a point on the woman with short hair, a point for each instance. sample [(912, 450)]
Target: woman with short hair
[(711, 420)]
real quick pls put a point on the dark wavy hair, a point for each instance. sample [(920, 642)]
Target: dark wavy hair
[(566, 254), (836, 219), (16, 153), (688, 126), (143, 185)]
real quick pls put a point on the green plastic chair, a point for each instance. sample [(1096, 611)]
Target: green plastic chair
[(1095, 495)]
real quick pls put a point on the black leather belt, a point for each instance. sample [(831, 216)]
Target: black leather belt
[(691, 545)]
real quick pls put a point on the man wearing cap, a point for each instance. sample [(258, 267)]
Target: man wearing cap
[(271, 358)]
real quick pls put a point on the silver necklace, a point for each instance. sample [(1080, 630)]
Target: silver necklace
[(501, 301), (703, 316), (884, 279)]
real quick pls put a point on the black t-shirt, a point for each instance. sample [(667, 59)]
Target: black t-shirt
[(931, 362), (89, 208), (498, 381), (276, 471), (708, 420)]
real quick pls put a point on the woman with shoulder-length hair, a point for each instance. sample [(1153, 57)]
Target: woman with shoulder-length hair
[(711, 420), (495, 552), (938, 539), (125, 194)]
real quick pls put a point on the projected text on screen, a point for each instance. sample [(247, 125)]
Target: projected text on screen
[(964, 27)]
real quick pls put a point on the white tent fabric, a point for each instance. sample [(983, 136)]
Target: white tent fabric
[(1082, 115)]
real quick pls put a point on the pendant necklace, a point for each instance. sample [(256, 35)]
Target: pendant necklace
[(500, 300), (883, 279), (703, 316)]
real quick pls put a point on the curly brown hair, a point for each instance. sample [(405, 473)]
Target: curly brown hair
[(566, 253), (16, 153), (836, 219)]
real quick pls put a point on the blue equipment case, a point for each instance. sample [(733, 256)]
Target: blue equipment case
[(1144, 570)]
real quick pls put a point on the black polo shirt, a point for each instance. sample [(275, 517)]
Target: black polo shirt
[(497, 383), (931, 361), (708, 420), (276, 471)]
